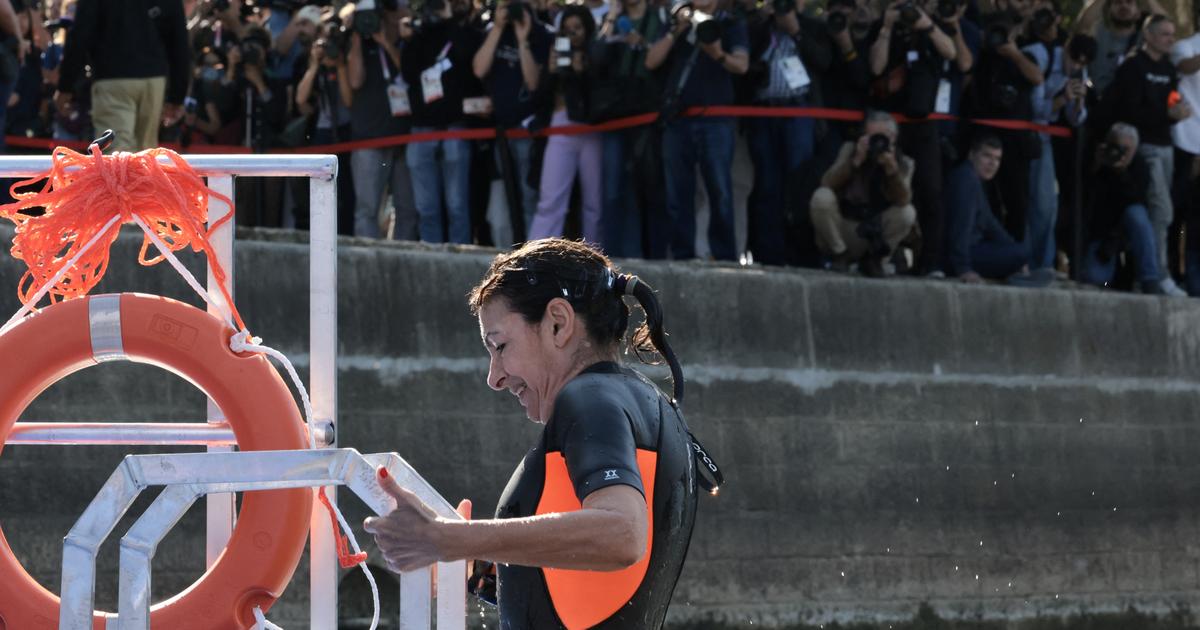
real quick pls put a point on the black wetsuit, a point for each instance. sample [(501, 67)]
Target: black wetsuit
[(610, 426)]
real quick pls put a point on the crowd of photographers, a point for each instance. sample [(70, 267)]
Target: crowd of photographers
[(929, 195)]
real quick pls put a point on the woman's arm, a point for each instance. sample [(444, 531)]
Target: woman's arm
[(607, 534)]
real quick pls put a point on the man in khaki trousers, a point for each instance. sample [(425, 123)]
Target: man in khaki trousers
[(863, 208), (141, 66)]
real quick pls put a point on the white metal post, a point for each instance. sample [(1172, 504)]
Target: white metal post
[(322, 234), (220, 506)]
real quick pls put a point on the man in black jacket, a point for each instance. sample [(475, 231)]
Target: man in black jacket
[(139, 54), (1141, 96)]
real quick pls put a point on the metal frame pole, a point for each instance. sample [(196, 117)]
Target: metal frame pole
[(220, 512), (323, 566)]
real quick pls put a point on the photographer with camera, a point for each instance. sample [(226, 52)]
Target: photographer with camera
[(909, 58), (977, 245), (1115, 25), (1120, 221), (634, 217), (1061, 97), (141, 66), (261, 104), (789, 51), (379, 108), (438, 51), (1003, 88), (324, 88), (702, 52), (577, 155), (863, 208), (1144, 95), (510, 63)]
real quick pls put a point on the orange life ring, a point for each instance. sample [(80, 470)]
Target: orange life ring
[(272, 526)]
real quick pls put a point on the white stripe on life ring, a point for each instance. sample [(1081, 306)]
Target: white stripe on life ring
[(104, 319)]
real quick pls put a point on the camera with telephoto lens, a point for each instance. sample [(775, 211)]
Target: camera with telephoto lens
[(253, 53), (1111, 154), (333, 41), (836, 22), (705, 27), (947, 9), (877, 145), (367, 22), (517, 11), (996, 35), (1043, 19), (708, 30), (909, 13)]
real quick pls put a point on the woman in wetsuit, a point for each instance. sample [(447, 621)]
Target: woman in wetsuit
[(594, 525)]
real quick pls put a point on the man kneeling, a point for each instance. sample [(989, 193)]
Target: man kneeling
[(863, 208)]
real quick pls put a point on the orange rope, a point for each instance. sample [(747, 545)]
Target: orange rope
[(346, 559), (83, 192)]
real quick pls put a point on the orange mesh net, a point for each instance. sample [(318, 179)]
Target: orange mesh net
[(82, 193)]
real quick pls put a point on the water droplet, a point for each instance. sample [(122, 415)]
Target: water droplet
[(947, 468), (1060, 513), (956, 567), (976, 576), (981, 543), (1114, 509), (843, 574), (976, 423), (1081, 421), (995, 482), (918, 499)]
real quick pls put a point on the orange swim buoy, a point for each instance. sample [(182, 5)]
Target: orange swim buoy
[(272, 526)]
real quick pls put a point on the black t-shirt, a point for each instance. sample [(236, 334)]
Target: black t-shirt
[(611, 426), (709, 83), (447, 43), (1140, 94), (512, 102), (914, 66), (370, 111)]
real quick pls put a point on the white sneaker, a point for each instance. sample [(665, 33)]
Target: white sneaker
[(1169, 288)]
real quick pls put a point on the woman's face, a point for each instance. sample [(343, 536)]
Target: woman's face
[(519, 358), (572, 28)]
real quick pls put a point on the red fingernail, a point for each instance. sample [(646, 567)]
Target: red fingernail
[(383, 473)]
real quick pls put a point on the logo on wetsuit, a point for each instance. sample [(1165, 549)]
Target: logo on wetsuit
[(610, 475)]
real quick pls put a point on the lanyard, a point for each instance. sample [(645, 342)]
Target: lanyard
[(383, 63)]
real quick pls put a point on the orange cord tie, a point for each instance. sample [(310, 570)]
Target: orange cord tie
[(83, 193), (345, 558)]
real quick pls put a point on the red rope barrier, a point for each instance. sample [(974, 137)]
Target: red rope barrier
[(737, 111)]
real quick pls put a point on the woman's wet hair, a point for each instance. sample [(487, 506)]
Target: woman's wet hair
[(539, 271)]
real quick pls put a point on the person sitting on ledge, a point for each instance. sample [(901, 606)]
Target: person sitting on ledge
[(978, 246)]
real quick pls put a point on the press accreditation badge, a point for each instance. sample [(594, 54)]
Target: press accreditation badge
[(398, 100), (942, 104), (794, 72), (431, 80)]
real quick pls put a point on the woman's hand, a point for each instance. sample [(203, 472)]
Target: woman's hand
[(408, 536)]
